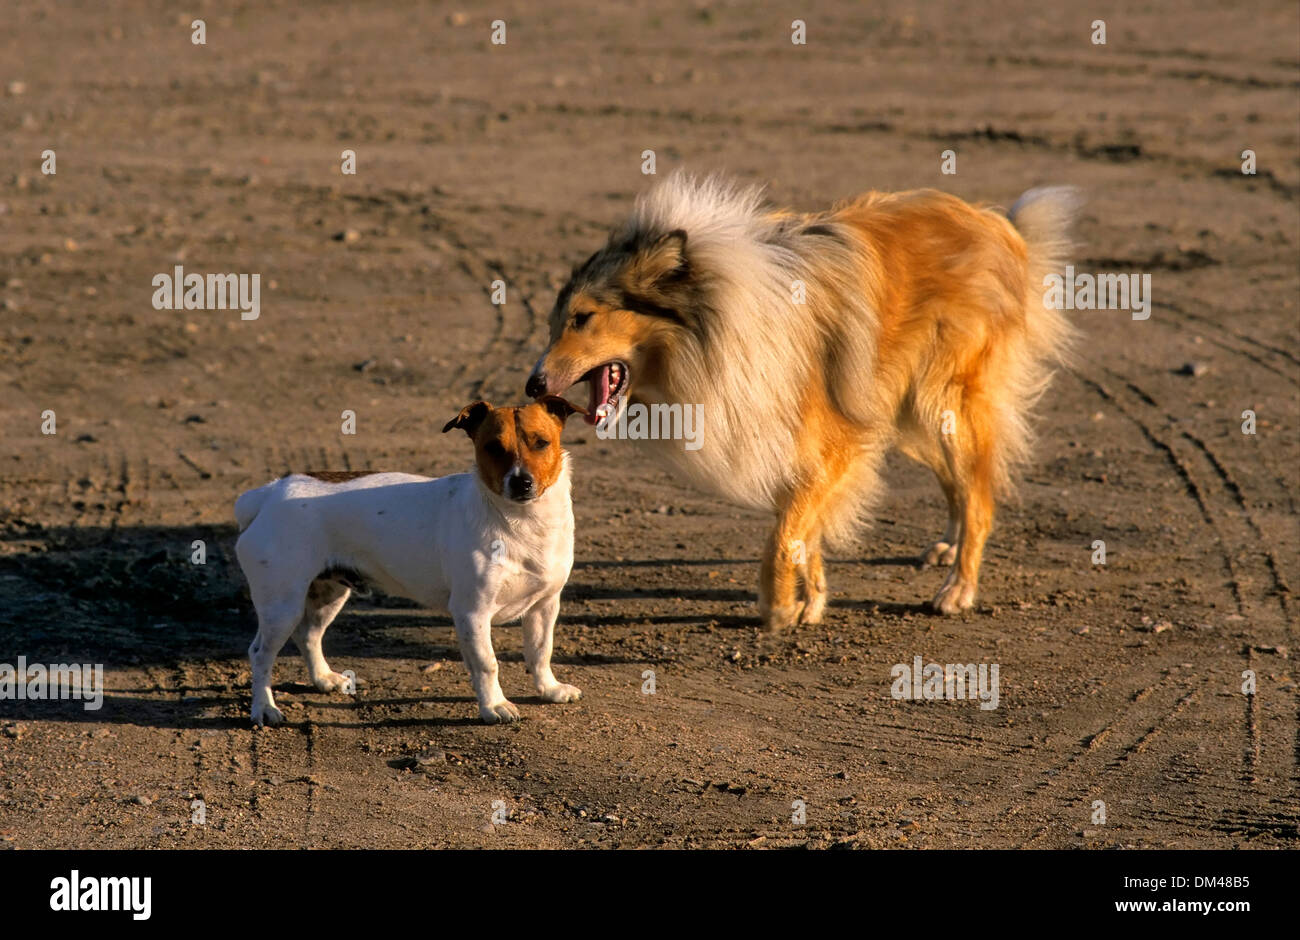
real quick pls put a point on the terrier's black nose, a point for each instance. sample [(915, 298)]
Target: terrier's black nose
[(536, 386), (519, 486)]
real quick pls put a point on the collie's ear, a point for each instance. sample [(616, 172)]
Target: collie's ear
[(470, 417), (560, 407), (663, 260)]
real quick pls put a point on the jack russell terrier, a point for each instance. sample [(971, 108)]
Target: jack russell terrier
[(487, 547)]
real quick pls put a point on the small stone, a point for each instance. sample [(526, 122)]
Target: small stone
[(1194, 369), (141, 800), (14, 89)]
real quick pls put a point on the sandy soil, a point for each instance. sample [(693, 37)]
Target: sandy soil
[(1119, 683)]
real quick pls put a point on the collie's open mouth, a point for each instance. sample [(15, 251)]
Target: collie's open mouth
[(607, 383)]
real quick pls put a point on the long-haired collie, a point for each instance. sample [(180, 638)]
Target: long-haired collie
[(810, 344)]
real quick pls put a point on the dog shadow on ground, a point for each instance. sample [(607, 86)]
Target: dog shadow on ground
[(161, 598)]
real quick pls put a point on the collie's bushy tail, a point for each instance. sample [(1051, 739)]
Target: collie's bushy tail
[(1044, 218)]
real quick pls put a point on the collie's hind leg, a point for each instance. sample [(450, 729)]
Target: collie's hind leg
[(812, 582), (778, 604), (920, 445), (944, 551), (324, 601), (973, 467)]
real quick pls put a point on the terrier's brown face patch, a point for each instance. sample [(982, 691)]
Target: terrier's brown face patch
[(517, 449)]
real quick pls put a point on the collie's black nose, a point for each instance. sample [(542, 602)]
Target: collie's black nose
[(536, 386)]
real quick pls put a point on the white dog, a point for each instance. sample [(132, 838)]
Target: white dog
[(487, 547)]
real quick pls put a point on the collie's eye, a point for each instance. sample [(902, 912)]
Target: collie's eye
[(541, 444), (580, 320)]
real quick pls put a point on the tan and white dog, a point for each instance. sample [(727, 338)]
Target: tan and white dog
[(487, 547), (811, 344)]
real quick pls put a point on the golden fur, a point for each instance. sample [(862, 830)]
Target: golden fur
[(813, 343)]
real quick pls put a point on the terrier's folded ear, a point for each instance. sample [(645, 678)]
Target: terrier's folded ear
[(470, 417), (560, 407)]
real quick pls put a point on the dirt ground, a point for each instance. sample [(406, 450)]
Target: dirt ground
[(1120, 683)]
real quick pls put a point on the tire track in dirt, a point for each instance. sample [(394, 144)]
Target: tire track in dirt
[(1280, 589), (1180, 468), (1243, 337), (501, 352), (1125, 151), (1239, 536), (1222, 332), (1253, 534), (1224, 517), (310, 816), (1126, 69), (1090, 768)]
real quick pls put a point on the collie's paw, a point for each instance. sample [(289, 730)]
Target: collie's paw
[(776, 619), (331, 682), (560, 694), (813, 609), (503, 712), (955, 596), (264, 715), (940, 553)]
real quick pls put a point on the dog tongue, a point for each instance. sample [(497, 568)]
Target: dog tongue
[(599, 386)]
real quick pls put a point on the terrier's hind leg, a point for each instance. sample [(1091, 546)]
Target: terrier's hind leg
[(276, 618), (325, 599)]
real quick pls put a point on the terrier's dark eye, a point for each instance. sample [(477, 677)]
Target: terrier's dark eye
[(494, 449), (580, 320), (541, 444)]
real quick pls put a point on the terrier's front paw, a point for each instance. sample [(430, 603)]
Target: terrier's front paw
[(264, 715), (955, 596), (331, 682), (503, 712), (560, 693), (940, 553)]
